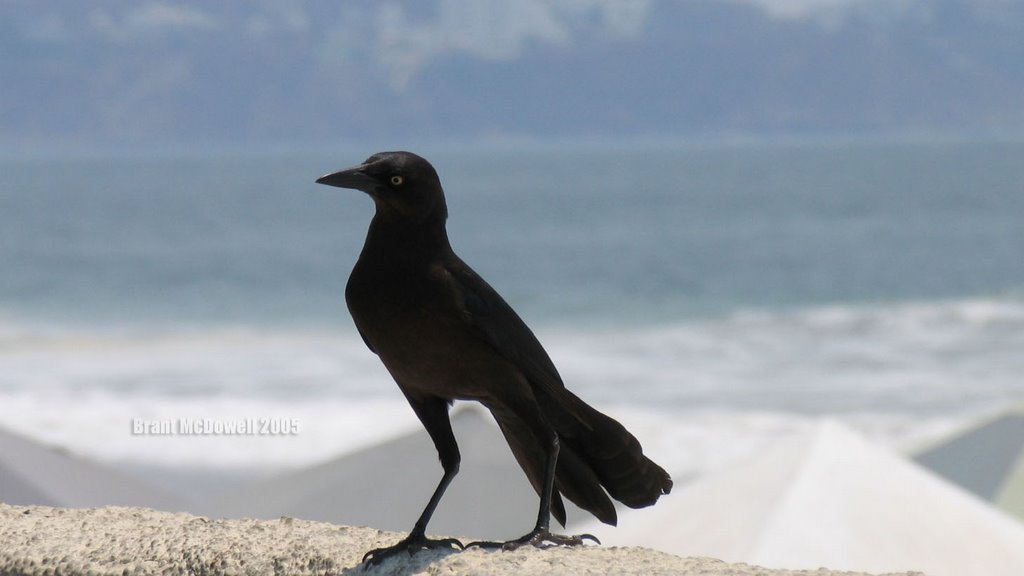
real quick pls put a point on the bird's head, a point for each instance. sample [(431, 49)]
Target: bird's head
[(402, 185)]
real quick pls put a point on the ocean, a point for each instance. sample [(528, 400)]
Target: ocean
[(712, 296)]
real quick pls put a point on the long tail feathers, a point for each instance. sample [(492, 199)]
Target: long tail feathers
[(597, 455), (614, 455)]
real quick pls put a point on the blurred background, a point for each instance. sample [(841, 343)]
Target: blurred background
[(725, 219)]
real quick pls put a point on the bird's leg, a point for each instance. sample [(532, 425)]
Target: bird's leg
[(541, 536), (417, 539), (434, 416)]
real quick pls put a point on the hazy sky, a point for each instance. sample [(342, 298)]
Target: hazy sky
[(298, 69)]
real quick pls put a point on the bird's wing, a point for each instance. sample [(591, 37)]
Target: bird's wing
[(496, 323)]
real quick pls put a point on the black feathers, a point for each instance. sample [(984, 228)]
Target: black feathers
[(443, 333)]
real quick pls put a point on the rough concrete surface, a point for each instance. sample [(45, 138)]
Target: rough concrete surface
[(139, 541)]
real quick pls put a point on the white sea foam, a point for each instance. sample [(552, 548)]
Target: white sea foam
[(699, 393), (101, 426), (912, 357)]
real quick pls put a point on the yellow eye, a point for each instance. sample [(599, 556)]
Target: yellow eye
[(397, 180)]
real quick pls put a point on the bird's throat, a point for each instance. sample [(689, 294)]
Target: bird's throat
[(399, 239)]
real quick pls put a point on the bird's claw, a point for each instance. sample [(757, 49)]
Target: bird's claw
[(410, 544), (537, 539)]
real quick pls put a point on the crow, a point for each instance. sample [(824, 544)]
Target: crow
[(444, 334)]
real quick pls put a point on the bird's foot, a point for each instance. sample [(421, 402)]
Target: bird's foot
[(539, 538), (411, 544)]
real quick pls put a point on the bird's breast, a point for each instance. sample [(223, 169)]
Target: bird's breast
[(412, 323), (397, 308)]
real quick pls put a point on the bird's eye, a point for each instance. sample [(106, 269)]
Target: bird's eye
[(397, 180)]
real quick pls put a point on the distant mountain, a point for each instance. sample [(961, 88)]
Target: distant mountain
[(128, 71)]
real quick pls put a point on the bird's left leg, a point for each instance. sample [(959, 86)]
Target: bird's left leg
[(433, 413)]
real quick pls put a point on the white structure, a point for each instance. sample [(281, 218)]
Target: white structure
[(829, 499), (32, 473)]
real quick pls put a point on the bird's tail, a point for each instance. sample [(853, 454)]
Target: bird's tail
[(614, 455), (598, 458)]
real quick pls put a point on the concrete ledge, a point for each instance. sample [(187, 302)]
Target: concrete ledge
[(138, 541)]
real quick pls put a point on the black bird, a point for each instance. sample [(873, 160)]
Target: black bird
[(444, 334)]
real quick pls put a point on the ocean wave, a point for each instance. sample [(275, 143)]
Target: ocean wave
[(916, 356), (216, 432), (692, 387)]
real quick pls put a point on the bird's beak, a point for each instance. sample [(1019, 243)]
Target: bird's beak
[(354, 178)]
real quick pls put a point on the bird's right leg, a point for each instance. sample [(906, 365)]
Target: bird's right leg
[(433, 413)]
